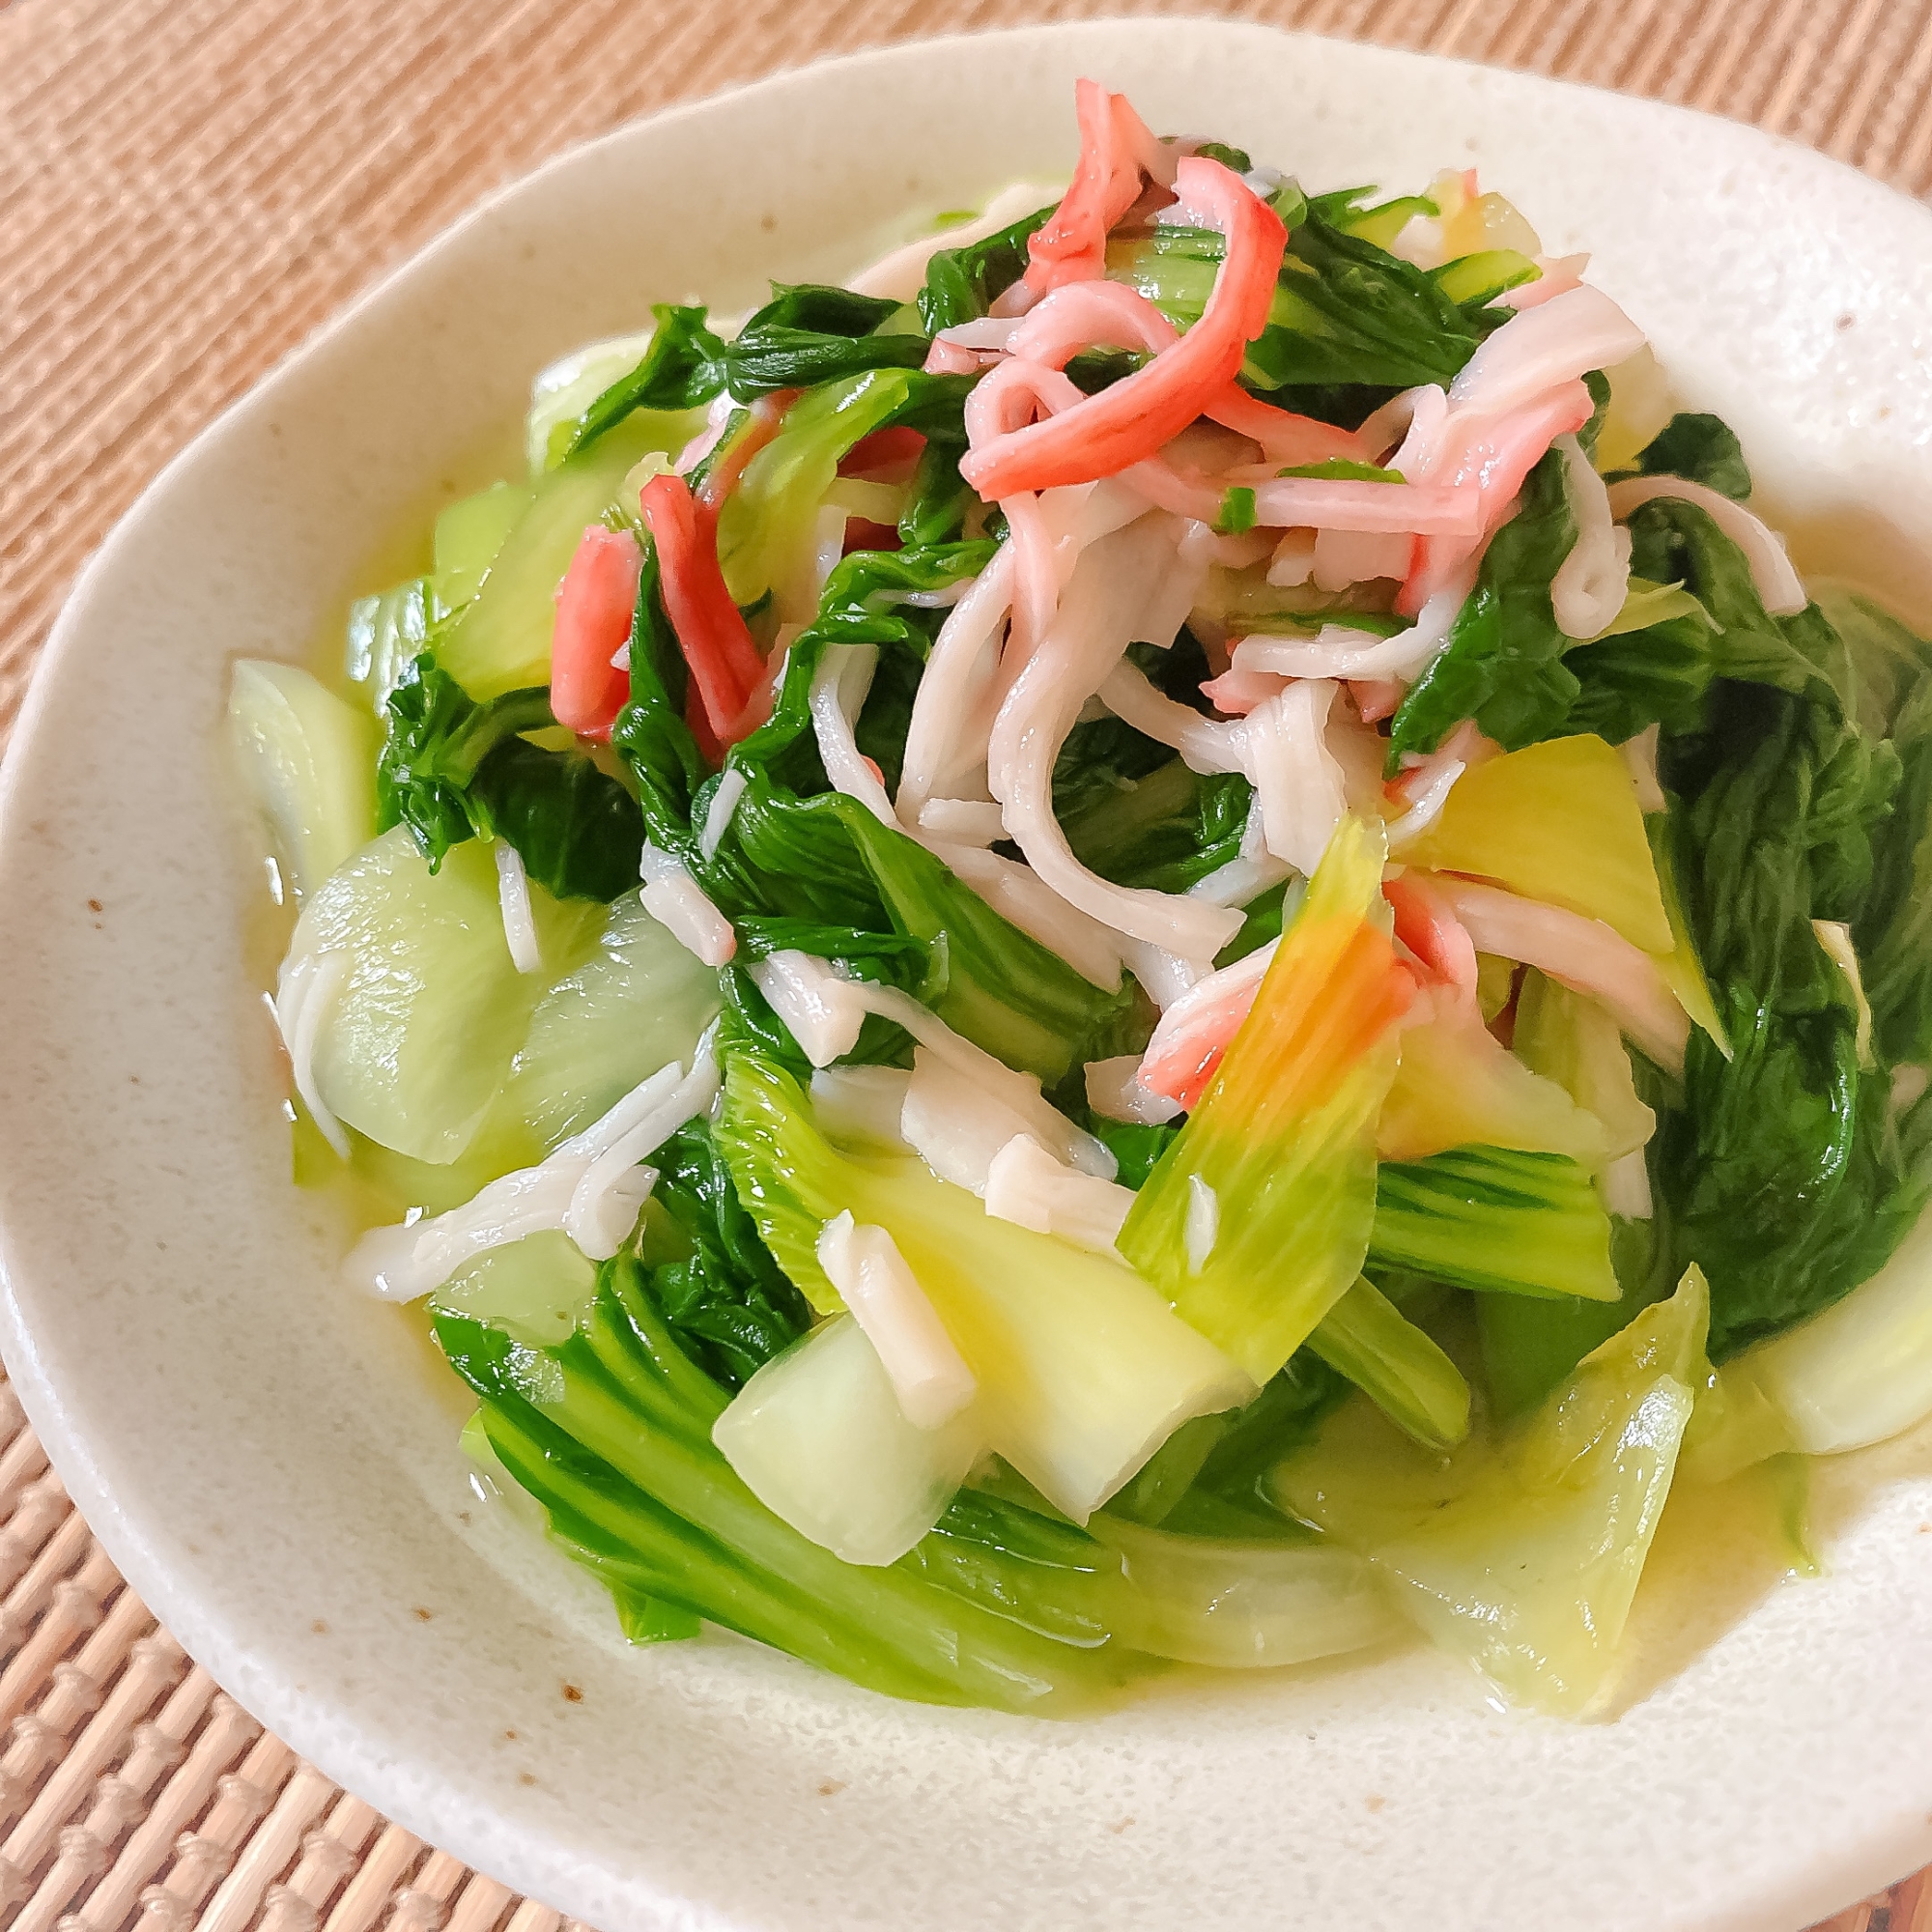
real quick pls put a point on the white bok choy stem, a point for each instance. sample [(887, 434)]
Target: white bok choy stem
[(819, 1438), (861, 1103), (1860, 1371)]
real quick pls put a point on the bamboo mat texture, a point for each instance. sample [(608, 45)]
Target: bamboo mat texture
[(186, 188)]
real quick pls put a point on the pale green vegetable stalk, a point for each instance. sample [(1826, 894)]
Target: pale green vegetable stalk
[(1558, 821), (468, 535), (768, 530), (637, 1004), (1083, 1370), (818, 1437), (1239, 1606), (563, 391), (425, 1006), (1521, 1552), (1859, 1372), (309, 762), (500, 640), (1257, 1219), (1367, 1338), (1572, 1040)]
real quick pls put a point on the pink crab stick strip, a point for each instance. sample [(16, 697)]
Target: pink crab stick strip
[(1117, 149), (726, 667), (1197, 1030), (594, 606), (1285, 437), (1426, 925), (1486, 457), (1016, 393), (1129, 422), (1586, 954), (1317, 502), (1090, 315)]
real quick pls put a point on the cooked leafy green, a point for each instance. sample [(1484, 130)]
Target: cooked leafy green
[(611, 1432), (682, 369), (803, 865), (1704, 449), (1350, 323), (809, 333), (1655, 674), (452, 769), (729, 1304), (1367, 1338), (1894, 933), (961, 284), (651, 734), (828, 859), (1530, 1344), (1783, 1168), (1887, 656), (1504, 663)]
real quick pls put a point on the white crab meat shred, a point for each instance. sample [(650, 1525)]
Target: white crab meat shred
[(1026, 1185), (926, 1369)]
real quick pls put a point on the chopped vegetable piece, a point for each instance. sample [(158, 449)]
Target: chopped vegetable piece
[(1558, 821), (1083, 1372), (1522, 1553), (1285, 1134), (1497, 1220)]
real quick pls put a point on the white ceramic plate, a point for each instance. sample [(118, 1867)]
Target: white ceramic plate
[(273, 1464)]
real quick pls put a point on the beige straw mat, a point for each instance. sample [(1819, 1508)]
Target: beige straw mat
[(186, 188)]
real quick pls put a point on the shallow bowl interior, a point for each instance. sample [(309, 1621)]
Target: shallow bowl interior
[(273, 1463)]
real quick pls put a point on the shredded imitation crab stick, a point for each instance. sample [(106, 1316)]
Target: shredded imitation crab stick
[(1117, 148), (1129, 422), (598, 596), (595, 607), (725, 663)]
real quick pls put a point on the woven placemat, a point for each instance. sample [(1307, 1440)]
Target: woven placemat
[(186, 188)]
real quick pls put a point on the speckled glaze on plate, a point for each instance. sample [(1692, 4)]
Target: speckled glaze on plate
[(273, 1464)]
